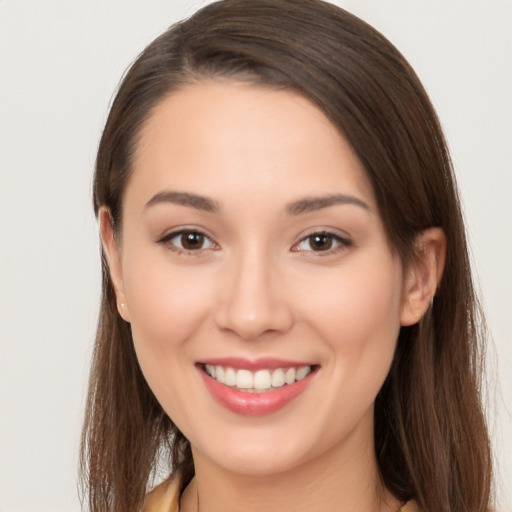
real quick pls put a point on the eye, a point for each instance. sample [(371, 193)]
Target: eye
[(188, 241), (322, 242)]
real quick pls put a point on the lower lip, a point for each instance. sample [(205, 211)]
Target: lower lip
[(255, 404)]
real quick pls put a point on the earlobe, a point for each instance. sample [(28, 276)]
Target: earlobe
[(112, 255), (423, 275)]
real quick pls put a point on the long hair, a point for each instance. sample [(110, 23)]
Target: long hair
[(430, 434)]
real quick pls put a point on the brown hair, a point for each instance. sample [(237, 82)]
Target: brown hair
[(430, 435)]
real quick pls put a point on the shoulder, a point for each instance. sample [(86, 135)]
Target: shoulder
[(164, 497)]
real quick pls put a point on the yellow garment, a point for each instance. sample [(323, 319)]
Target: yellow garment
[(166, 498), (410, 506)]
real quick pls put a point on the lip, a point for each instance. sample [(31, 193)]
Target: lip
[(254, 404), (264, 363)]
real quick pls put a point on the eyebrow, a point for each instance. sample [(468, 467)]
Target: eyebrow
[(311, 204), (308, 204), (185, 199)]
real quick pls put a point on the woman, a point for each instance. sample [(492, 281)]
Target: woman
[(288, 319)]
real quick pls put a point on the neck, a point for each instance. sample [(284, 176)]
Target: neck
[(343, 480)]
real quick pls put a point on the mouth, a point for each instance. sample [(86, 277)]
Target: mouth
[(259, 381), (255, 388)]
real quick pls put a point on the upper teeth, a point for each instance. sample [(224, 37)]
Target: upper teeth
[(260, 379)]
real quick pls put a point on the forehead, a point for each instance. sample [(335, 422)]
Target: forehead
[(229, 137)]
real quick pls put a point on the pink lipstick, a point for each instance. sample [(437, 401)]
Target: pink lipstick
[(255, 387)]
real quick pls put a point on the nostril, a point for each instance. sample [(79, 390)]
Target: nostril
[(254, 323)]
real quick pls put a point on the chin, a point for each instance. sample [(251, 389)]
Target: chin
[(255, 461), (261, 454)]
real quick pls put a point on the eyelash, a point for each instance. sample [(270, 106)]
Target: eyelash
[(340, 243), (167, 241)]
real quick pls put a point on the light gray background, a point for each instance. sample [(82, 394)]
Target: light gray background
[(60, 61)]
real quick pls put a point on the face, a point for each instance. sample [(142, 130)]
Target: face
[(263, 296)]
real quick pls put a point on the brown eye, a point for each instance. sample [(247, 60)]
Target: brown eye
[(322, 242), (188, 241), (192, 241)]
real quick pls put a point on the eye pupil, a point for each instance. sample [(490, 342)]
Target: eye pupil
[(321, 242), (191, 241)]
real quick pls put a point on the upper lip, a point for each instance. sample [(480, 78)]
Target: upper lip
[(264, 363)]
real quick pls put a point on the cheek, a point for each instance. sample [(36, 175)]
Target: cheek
[(371, 306), (358, 315), (167, 305), (358, 319)]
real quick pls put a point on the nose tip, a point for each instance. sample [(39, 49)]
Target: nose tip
[(251, 323), (254, 305)]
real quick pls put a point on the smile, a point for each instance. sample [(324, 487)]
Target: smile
[(259, 381), (256, 388)]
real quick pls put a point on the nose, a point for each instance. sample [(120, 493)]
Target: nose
[(253, 300)]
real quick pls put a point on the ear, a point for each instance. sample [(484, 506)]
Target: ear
[(423, 275), (112, 253)]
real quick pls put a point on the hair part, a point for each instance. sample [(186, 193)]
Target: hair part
[(430, 434)]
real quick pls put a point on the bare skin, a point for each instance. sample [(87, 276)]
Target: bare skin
[(250, 231)]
